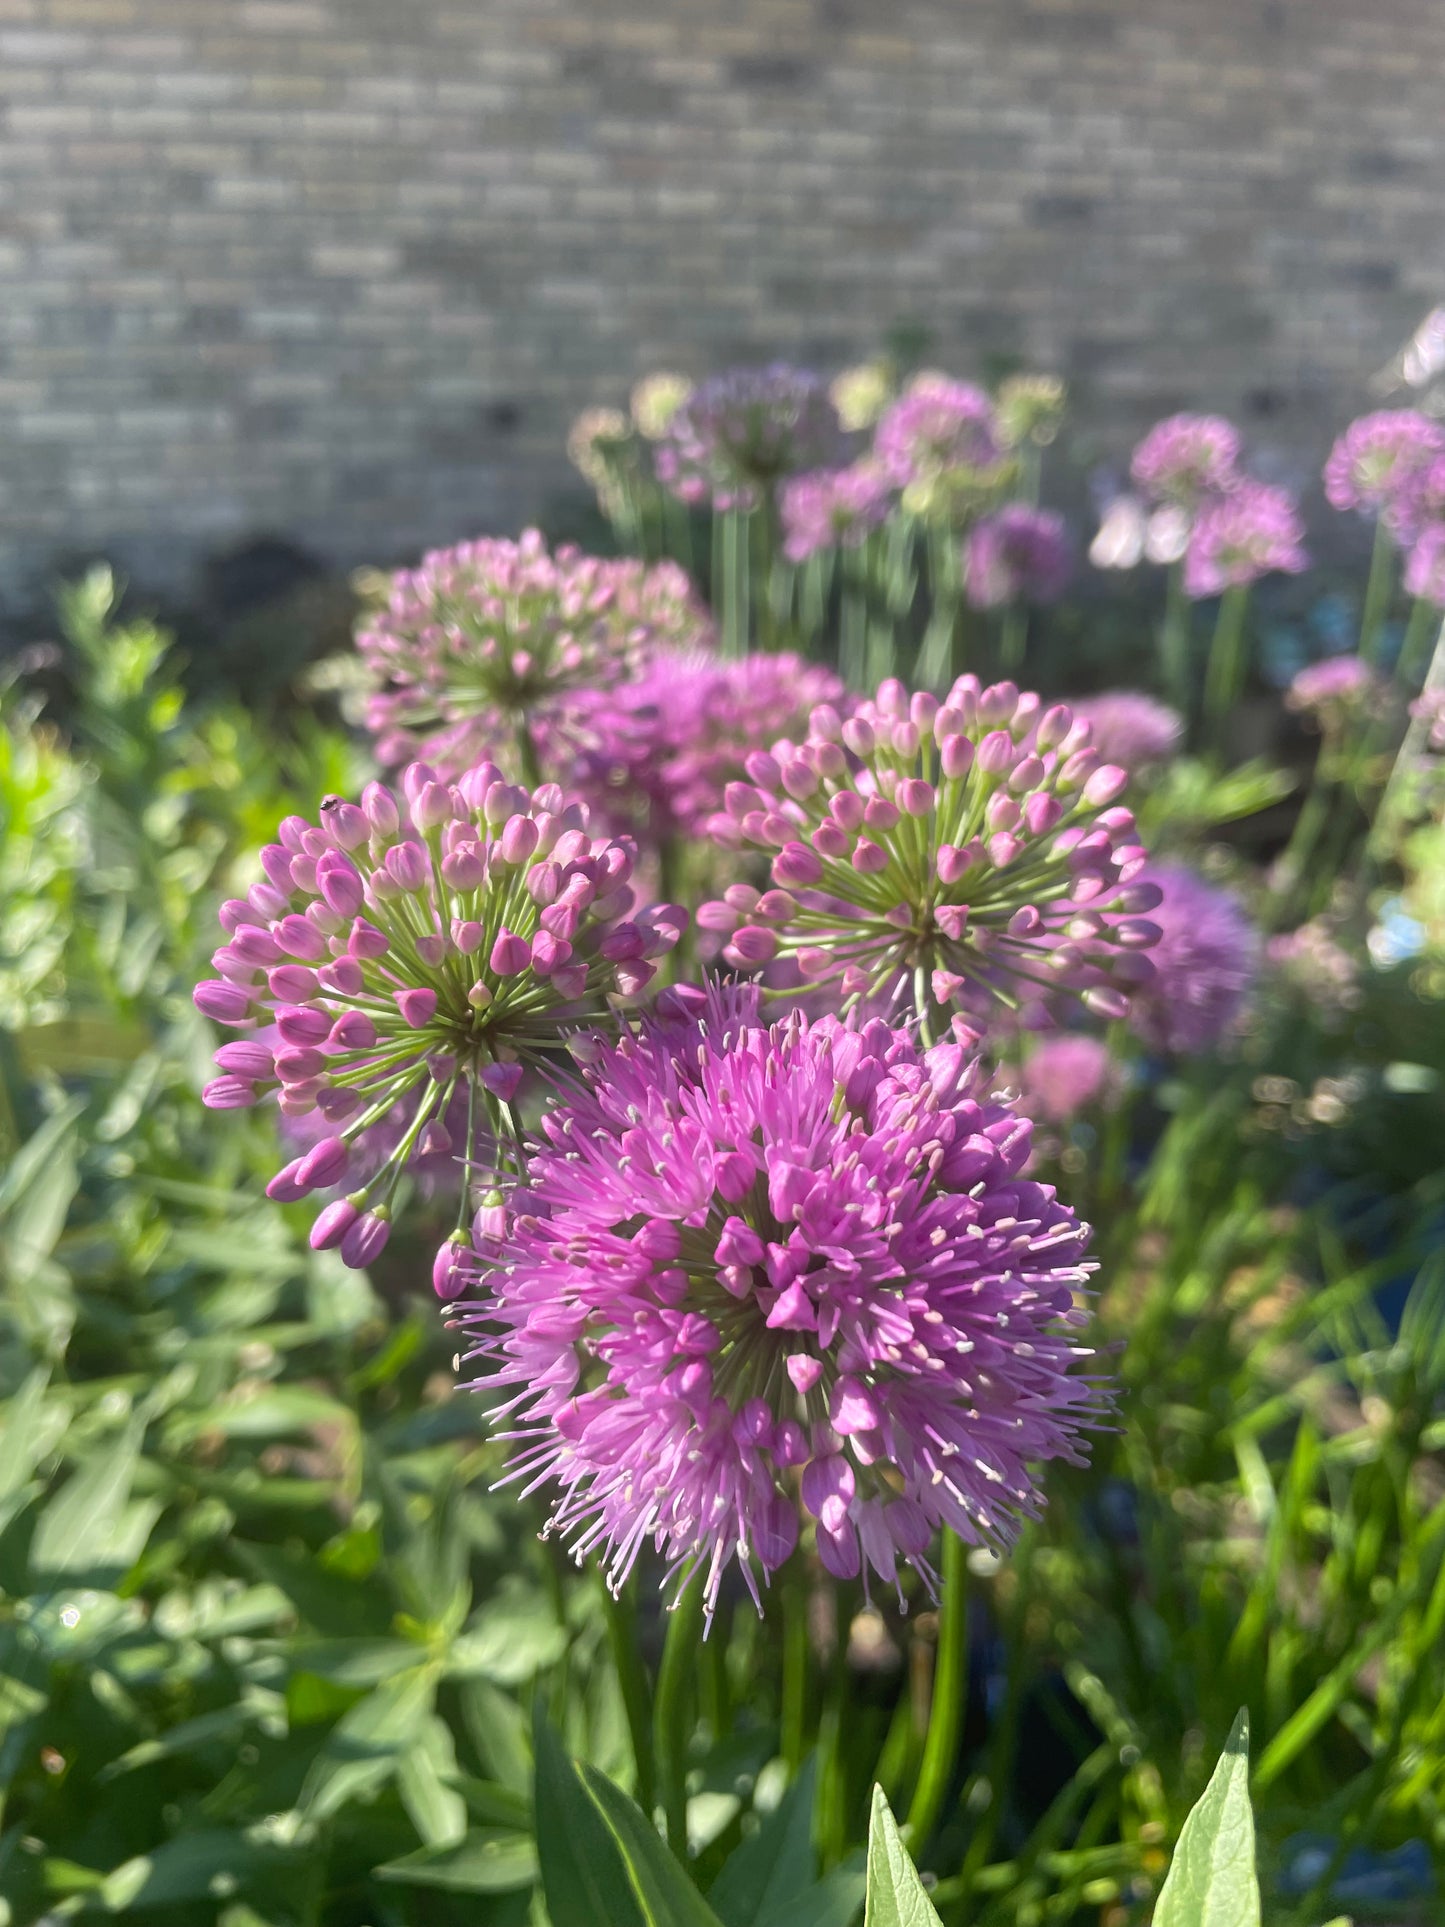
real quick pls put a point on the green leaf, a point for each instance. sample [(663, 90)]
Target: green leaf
[(31, 1429), (896, 1896), (79, 1528), (601, 1858), (834, 1902), (776, 1865), (210, 1864), (508, 1640), (1211, 1880), (490, 1860), (425, 1782), (365, 1747)]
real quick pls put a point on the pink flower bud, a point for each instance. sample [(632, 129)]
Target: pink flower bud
[(915, 797), (501, 1080), (1104, 785), (379, 806), (996, 753), (796, 865), (256, 947), (353, 1030), (332, 1224), (246, 1058), (223, 1003), (433, 805), (323, 1164), (417, 1006), (365, 1240), (464, 869), (519, 840), (366, 941), (343, 976), (858, 736), (299, 1065), (228, 1094), (408, 866), (449, 1267), (293, 983), (286, 1187), (510, 954), (299, 937), (752, 945), (868, 858), (339, 884)]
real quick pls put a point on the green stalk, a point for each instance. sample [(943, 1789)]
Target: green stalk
[(794, 1712), (1174, 640), (674, 1679), (1224, 672), (1415, 650), (1409, 752), (950, 1693), (1377, 592), (1304, 838), (1013, 638), (853, 623), (531, 769), (621, 1613)]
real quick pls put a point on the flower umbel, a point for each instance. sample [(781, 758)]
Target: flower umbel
[(1131, 728), (737, 435), (405, 950), (940, 441), (1017, 554), (763, 1273), (1186, 458), (1376, 464), (1236, 538), (832, 507), (480, 650), (928, 854), (1205, 963)]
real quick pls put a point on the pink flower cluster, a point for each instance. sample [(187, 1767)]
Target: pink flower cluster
[(482, 649), (929, 854), (1205, 963), (939, 432), (1228, 529), (831, 508), (1016, 554), (655, 755), (405, 949), (769, 1278)]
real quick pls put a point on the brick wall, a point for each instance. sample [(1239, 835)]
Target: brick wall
[(345, 268)]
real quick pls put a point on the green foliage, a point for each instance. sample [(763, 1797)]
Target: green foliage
[(1211, 1880)]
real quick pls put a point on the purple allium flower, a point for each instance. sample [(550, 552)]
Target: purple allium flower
[(1425, 565), (1064, 1074), (657, 754), (1186, 458), (1017, 554), (1205, 963), (928, 852), (1239, 537), (405, 950), (763, 1272), (938, 430), (833, 507), (1375, 464), (1419, 502), (1334, 690), (737, 435), (488, 643), (1130, 728)]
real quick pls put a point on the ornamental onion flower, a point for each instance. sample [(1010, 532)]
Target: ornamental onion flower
[(1334, 691), (739, 434), (940, 436), (1017, 554), (655, 400), (656, 755), (761, 1278), (402, 951), (926, 855), (861, 393), (1205, 963), (1186, 458), (1131, 728), (1425, 565), (1375, 464), (1030, 408), (481, 650), (1065, 1073), (832, 508), (1236, 538)]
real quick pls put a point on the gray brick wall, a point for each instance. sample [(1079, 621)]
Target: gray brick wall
[(345, 268)]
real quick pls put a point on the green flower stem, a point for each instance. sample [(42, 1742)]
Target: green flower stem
[(1388, 809), (950, 1692), (794, 1718), (853, 622), (1377, 592), (1309, 825), (736, 593), (674, 1680), (621, 1614), (1174, 639), (1415, 650), (1224, 672), (1013, 638), (527, 763)]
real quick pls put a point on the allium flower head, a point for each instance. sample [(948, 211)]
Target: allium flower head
[(939, 436), (594, 441), (1063, 1075), (410, 948), (1030, 408), (1131, 728), (483, 648), (1314, 961), (763, 1273), (1425, 565), (1185, 458), (833, 508), (928, 854), (737, 435), (1376, 463), (1335, 690), (655, 755), (1017, 554), (1236, 538), (655, 400), (861, 394), (1205, 963)]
